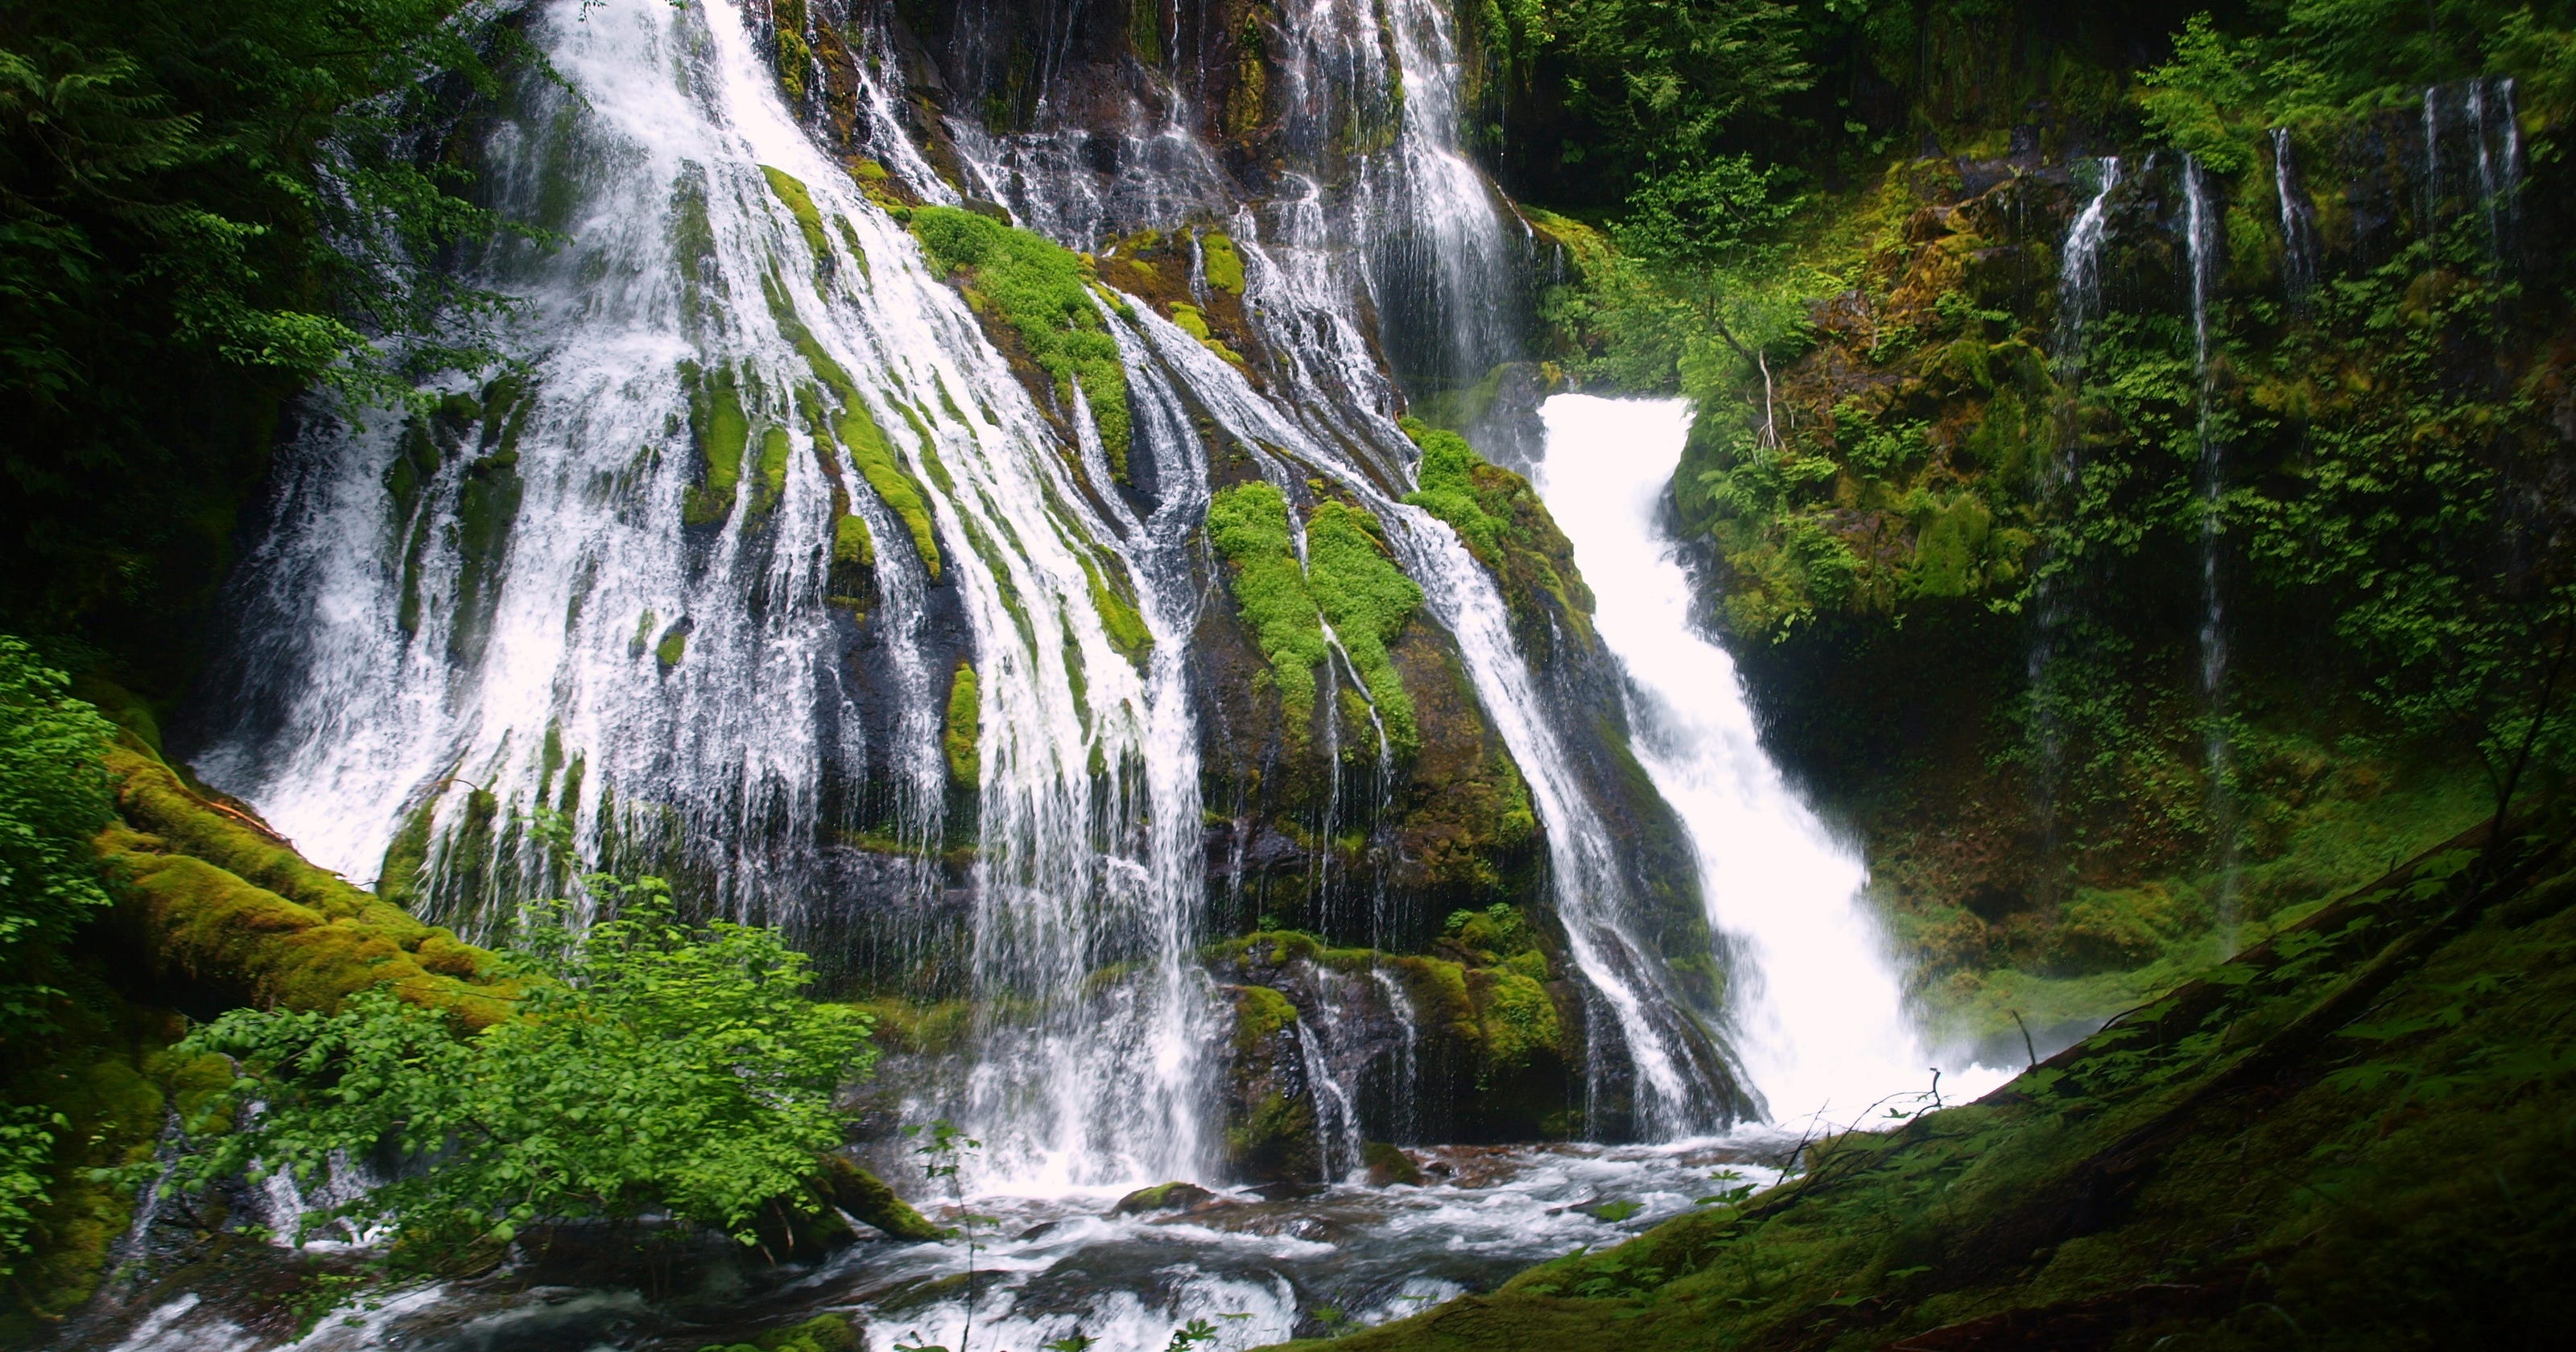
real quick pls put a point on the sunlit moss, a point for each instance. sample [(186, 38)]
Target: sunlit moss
[(962, 741), (1368, 600), (1249, 526), (800, 204), (1039, 289)]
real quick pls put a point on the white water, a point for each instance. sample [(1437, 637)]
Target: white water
[(1088, 800), (1639, 1028), (1259, 1271), (1820, 1022), (2298, 221), (2201, 227)]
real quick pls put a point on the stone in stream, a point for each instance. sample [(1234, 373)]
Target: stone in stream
[(1162, 1197), (1388, 1165)]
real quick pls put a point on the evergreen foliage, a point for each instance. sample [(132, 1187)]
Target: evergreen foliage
[(53, 798), (204, 208)]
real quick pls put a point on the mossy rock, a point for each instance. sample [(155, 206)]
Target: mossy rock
[(1175, 1196), (1388, 1166), (210, 896), (822, 1333), (1035, 296)]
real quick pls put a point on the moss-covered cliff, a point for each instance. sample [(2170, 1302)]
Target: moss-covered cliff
[(2241, 1163)]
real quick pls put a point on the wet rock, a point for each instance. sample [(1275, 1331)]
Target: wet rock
[(1388, 1165), (1174, 1196)]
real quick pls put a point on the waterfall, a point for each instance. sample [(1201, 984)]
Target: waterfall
[(2079, 274), (2298, 222), (1642, 1031), (2202, 247), (2079, 302), (2499, 168), (1448, 272), (437, 644), (1819, 1018), (710, 588)]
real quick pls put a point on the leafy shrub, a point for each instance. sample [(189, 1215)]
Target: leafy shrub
[(655, 1065)]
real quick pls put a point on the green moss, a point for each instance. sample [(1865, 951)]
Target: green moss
[(1191, 321), (1038, 289), (895, 486), (1387, 1165), (1259, 1013), (241, 913), (1248, 524), (1224, 266), (398, 879), (2239, 1164), (1501, 521), (822, 1333), (721, 433), (673, 647), (110, 1112), (1118, 613), (800, 203), (1368, 600), (851, 543), (964, 735), (775, 447), (1518, 1018)]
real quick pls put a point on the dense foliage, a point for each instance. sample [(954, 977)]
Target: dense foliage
[(654, 1066), (53, 798), (2115, 634), (204, 208)]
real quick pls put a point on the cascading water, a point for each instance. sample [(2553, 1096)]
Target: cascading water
[(677, 671), (1819, 1018), (1679, 1073), (2079, 297), (2298, 222), (2201, 240), (2079, 302), (696, 593)]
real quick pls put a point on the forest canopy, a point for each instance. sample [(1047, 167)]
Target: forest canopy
[(204, 208)]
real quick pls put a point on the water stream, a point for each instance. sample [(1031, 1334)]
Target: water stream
[(1818, 1010), (2201, 252), (554, 626)]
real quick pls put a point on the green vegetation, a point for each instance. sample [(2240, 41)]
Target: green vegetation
[(1918, 496), (1348, 582), (1368, 601), (1500, 519), (2236, 1164), (1489, 1009), (1040, 291), (799, 201), (721, 433), (171, 270), (652, 1065), (1248, 524), (894, 485), (1223, 265), (53, 798), (963, 740), (1116, 604), (822, 1333)]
